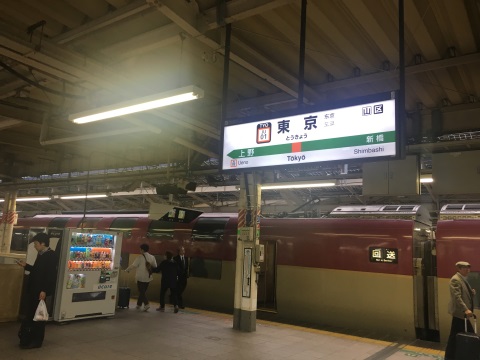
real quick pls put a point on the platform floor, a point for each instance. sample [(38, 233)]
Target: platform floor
[(198, 335)]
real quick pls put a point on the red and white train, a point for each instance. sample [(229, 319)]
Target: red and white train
[(374, 268)]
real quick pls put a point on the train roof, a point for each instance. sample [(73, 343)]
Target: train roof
[(175, 214), (406, 212), (460, 211), (89, 215)]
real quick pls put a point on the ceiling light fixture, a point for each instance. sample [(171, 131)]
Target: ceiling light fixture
[(298, 185), (92, 196), (38, 198), (426, 178), (150, 102)]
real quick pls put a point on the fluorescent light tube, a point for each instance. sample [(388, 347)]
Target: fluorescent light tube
[(426, 179), (142, 104), (298, 185), (38, 198), (73, 197)]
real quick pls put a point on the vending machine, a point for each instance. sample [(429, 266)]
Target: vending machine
[(88, 274)]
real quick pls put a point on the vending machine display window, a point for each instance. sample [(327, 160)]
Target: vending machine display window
[(91, 251), (76, 281)]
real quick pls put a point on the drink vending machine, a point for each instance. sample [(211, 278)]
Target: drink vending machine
[(88, 274)]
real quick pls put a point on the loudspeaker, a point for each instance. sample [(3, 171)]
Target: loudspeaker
[(181, 188), (190, 186), (167, 189)]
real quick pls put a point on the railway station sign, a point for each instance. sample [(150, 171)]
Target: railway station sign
[(362, 130), (383, 255)]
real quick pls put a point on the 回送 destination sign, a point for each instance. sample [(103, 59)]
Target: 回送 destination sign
[(355, 132)]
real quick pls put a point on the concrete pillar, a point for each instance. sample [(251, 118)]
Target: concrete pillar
[(9, 218), (11, 282), (248, 234)]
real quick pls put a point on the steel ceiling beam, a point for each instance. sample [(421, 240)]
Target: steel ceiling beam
[(241, 9), (19, 113), (360, 80), (186, 16), (110, 19)]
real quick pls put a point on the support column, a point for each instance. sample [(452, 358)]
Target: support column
[(248, 252), (9, 218)]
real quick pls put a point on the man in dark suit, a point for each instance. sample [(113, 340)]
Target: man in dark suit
[(41, 283), (169, 270), (183, 271), (460, 306)]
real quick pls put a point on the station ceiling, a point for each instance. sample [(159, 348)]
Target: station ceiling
[(59, 57)]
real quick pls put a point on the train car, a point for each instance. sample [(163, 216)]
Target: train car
[(368, 268), (457, 238), (364, 268)]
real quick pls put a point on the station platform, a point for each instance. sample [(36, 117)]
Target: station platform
[(195, 334)]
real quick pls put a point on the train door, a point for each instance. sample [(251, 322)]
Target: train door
[(425, 287), (267, 279)]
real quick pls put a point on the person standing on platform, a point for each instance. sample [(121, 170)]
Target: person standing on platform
[(143, 275), (183, 271), (461, 305), (169, 270), (41, 283)]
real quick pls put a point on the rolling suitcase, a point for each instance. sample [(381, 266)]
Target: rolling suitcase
[(468, 344), (123, 297)]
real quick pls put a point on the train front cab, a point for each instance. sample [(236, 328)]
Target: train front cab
[(458, 239)]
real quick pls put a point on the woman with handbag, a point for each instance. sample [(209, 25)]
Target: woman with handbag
[(143, 275)]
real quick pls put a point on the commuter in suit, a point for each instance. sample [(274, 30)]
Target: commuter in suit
[(41, 283), (183, 271), (169, 270), (461, 305)]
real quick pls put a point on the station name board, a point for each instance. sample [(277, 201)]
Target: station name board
[(361, 131)]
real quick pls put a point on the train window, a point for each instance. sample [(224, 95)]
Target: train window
[(454, 207), (205, 268), (472, 207), (22, 237), (160, 229), (124, 259), (209, 229), (89, 223), (58, 222), (390, 208), (19, 240), (123, 223), (474, 281)]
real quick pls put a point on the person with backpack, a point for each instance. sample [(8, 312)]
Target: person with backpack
[(145, 263)]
